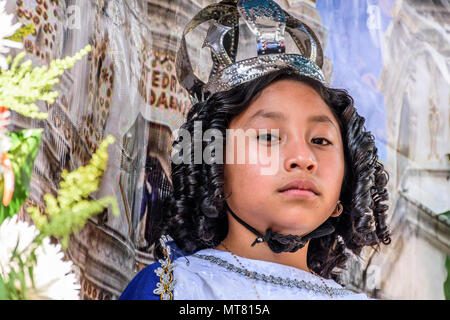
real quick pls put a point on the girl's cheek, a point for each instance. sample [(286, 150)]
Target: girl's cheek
[(331, 168), (263, 157), (252, 161)]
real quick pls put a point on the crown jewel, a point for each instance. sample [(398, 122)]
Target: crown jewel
[(268, 22)]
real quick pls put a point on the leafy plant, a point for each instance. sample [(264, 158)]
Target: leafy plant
[(447, 282), (23, 32), (14, 285), (24, 245), (446, 213), (24, 147), (64, 215), (22, 85), (71, 209)]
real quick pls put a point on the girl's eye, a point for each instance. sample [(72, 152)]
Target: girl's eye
[(321, 141), (268, 137)]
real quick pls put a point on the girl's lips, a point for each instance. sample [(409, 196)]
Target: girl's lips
[(301, 184), (299, 193)]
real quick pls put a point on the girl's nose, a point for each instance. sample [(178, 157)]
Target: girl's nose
[(301, 157)]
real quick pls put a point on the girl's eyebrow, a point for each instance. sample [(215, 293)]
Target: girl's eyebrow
[(266, 114), (322, 118)]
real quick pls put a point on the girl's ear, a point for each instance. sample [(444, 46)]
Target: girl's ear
[(339, 208)]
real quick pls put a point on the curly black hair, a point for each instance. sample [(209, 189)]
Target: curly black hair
[(195, 215)]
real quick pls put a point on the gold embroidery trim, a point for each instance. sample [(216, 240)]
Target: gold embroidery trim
[(166, 282)]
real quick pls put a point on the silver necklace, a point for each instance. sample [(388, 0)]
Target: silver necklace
[(274, 280), (248, 272)]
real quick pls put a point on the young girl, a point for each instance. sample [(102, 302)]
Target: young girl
[(231, 231)]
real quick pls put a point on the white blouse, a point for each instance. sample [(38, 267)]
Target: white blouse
[(211, 274)]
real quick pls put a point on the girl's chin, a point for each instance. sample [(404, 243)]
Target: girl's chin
[(293, 221), (294, 227)]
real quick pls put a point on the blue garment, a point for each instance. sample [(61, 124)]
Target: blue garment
[(142, 285), (211, 274)]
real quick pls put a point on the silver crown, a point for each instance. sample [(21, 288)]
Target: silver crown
[(268, 22)]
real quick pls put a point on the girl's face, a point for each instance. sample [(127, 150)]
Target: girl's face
[(310, 150)]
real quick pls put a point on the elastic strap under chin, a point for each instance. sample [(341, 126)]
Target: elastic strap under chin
[(284, 243)]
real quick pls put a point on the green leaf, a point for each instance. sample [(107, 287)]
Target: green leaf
[(21, 277), (446, 213), (24, 148), (22, 33), (447, 282), (3, 289), (14, 253), (31, 274), (13, 292)]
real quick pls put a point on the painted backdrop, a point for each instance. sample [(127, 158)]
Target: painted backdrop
[(392, 56)]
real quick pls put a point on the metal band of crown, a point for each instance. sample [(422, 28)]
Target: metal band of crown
[(268, 22), (256, 67)]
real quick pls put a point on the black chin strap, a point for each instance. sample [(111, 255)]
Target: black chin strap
[(284, 243)]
